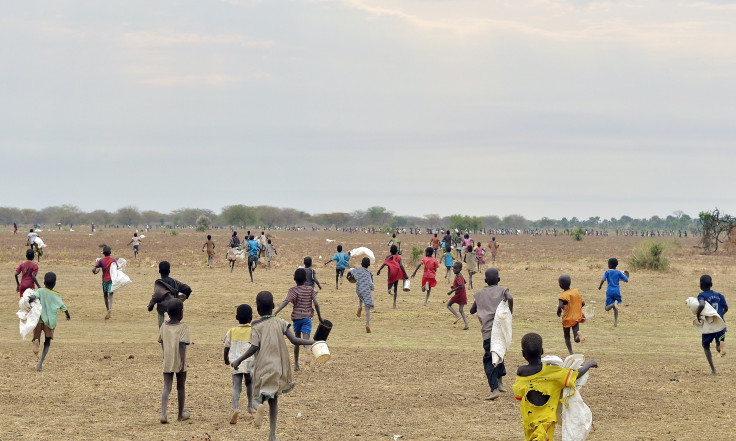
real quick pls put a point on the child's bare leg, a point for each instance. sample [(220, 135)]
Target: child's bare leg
[(465, 319), (168, 382), (237, 389), (273, 413), (367, 319), (337, 280), (710, 359), (578, 336), (181, 379), (721, 348), (429, 290), (615, 313), (360, 307), (452, 310), (232, 265), (470, 279), (249, 392), (107, 304), (396, 292), (296, 352), (46, 345), (566, 333), (250, 271)]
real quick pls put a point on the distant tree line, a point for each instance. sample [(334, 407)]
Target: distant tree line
[(268, 217)]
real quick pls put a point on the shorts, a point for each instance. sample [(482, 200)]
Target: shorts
[(107, 286), (303, 325), (612, 298), (47, 332), (719, 337), (340, 272), (432, 281), (253, 258), (135, 247)]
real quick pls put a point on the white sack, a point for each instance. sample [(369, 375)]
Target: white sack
[(118, 277), (28, 314), (39, 243), (712, 322), (576, 418), (363, 251), (501, 333)]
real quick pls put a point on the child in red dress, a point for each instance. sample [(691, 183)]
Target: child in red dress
[(460, 297), (396, 271), (429, 278)]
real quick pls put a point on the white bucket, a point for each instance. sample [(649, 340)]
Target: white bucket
[(320, 352), (407, 285)]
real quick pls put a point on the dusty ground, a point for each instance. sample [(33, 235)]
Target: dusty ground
[(417, 375)]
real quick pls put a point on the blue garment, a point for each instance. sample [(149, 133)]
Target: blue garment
[(612, 298), (303, 325), (719, 337), (448, 259), (342, 260), (716, 300), (613, 276), (253, 247)]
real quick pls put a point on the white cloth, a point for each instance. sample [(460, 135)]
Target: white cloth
[(28, 314), (363, 251), (712, 322), (576, 416), (118, 277), (39, 243), (501, 333)]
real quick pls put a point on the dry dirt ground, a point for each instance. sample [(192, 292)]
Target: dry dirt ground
[(416, 375)]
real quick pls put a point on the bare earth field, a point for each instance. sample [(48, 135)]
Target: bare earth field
[(416, 375)]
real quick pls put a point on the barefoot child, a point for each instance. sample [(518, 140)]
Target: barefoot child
[(364, 288), (479, 255), (494, 249), (105, 264), (396, 271), (613, 291), (472, 263), (237, 341), (136, 241), (166, 289), (485, 304), (311, 273), (448, 260), (210, 246), (233, 248), (50, 303), (460, 297), (571, 303), (28, 271), (429, 277), (302, 297), (270, 252), (253, 254), (174, 338), (538, 387), (271, 369), (718, 302), (341, 264)]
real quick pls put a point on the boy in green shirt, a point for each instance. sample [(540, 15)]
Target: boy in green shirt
[(50, 303)]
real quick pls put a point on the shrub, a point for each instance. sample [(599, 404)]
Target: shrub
[(577, 233), (203, 223), (416, 254), (650, 255), (174, 232)]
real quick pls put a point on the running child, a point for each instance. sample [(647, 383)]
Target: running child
[(233, 248), (271, 369), (364, 288), (472, 264), (341, 264), (396, 271), (311, 273), (174, 339), (302, 297), (494, 249), (237, 341), (395, 241), (480, 256), (435, 244), (613, 291), (570, 307), (458, 245), (136, 241), (429, 277), (104, 264), (460, 298), (270, 252), (718, 302), (485, 304), (166, 289), (51, 302), (210, 246), (467, 241), (448, 260), (28, 271), (538, 387), (253, 253)]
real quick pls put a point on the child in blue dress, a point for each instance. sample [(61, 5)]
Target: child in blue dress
[(613, 292)]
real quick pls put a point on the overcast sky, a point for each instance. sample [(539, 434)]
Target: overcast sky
[(537, 107)]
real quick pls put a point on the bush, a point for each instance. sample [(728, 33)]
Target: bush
[(416, 254), (650, 255), (174, 232), (203, 223), (577, 233)]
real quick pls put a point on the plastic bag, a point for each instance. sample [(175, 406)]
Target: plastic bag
[(576, 417), (118, 277), (363, 251), (29, 313), (500, 333)]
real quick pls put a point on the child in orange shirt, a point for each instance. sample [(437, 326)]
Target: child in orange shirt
[(570, 308)]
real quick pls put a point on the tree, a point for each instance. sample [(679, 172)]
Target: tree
[(515, 221), (238, 215), (463, 223), (433, 220), (100, 217), (128, 216), (203, 223), (714, 224), (378, 216)]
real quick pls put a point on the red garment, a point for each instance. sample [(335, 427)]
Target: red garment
[(430, 267), (460, 297), (432, 282), (105, 263), (393, 262), (29, 269)]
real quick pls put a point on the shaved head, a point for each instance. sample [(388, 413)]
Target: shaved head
[(492, 277), (565, 281)]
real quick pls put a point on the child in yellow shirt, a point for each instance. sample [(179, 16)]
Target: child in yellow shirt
[(538, 386)]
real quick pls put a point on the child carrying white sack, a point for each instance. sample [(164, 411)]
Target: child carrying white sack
[(576, 416), (28, 314)]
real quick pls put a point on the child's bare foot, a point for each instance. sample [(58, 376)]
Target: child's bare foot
[(234, 418), (296, 367), (360, 311), (163, 419), (251, 410), (36, 344), (466, 328), (500, 387), (723, 352), (184, 416), (713, 372), (258, 418), (580, 338), (456, 320), (495, 394), (368, 329), (109, 313), (424, 288), (39, 368)]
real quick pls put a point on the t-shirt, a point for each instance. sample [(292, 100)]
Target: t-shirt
[(486, 302), (435, 242), (50, 303), (459, 281), (301, 297), (311, 276), (363, 281), (234, 242), (170, 336), (238, 340), (28, 269), (253, 247), (613, 276), (574, 311), (430, 267), (136, 240), (270, 250), (447, 258), (458, 241), (716, 300), (105, 263), (342, 260), (32, 237)]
